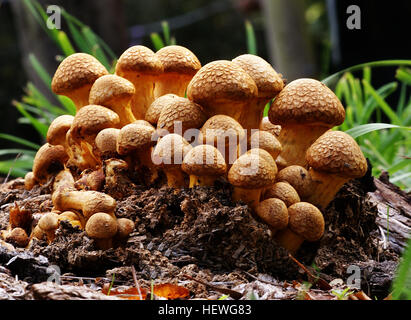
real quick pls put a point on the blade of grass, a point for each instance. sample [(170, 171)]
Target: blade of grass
[(158, 43), (18, 140), (251, 39), (40, 127)]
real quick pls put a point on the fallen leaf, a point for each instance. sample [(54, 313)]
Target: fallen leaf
[(20, 217), (130, 293), (170, 291)]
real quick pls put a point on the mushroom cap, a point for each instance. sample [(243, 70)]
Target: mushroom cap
[(101, 226), (221, 127), (265, 140), (251, 171), (273, 212), (124, 227), (154, 110), (204, 160), (268, 81), (134, 137), (170, 150), (18, 236), (309, 102), (265, 155), (109, 89), (306, 220), (221, 81), (106, 140), (139, 59), (266, 125), (283, 191), (49, 221), (337, 152), (143, 123), (298, 177), (76, 71), (49, 159), (181, 109), (178, 59), (91, 119), (58, 128)]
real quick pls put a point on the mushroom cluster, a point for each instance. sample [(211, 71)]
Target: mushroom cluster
[(163, 119)]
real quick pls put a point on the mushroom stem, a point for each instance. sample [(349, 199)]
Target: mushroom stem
[(202, 181), (296, 139), (143, 97), (80, 97), (324, 188), (174, 84), (252, 115), (249, 196), (175, 178), (289, 240)]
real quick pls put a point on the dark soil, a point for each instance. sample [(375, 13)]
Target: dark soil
[(201, 234)]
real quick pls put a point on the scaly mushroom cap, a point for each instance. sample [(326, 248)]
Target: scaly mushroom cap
[(221, 81), (170, 150), (106, 141), (91, 119), (101, 226), (220, 127), (76, 71), (48, 160), (179, 60), (266, 125), (154, 111), (306, 221), (298, 177), (250, 171), (108, 90), (273, 212), (49, 221), (56, 133), (143, 123), (138, 59), (337, 152), (267, 141), (307, 101), (265, 155), (181, 109), (283, 191), (133, 137), (204, 160), (268, 81)]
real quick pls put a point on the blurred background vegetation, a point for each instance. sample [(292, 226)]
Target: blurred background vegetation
[(301, 38)]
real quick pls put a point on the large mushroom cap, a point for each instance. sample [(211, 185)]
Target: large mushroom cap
[(49, 159), (251, 171), (268, 81), (91, 119), (337, 152), (307, 101), (306, 221), (56, 133), (221, 127), (76, 71), (101, 226), (221, 80), (139, 59), (179, 60), (204, 160), (170, 150), (190, 114), (109, 89), (264, 154), (134, 137), (154, 111)]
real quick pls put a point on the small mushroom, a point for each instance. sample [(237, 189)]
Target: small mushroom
[(225, 134), (306, 223), (222, 87), (102, 227), (269, 84), (274, 213), (180, 65), (305, 109), (49, 223), (140, 66), (18, 237), (334, 159), (106, 143), (298, 177), (115, 93), (266, 125), (283, 191), (48, 161), (75, 75), (56, 133), (249, 175), (91, 180), (266, 141), (154, 110), (125, 226), (29, 180), (168, 154), (204, 164), (88, 202)]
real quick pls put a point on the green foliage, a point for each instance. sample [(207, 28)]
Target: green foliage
[(164, 40), (401, 288)]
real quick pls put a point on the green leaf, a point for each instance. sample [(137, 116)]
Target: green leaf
[(18, 140), (158, 43), (251, 39), (367, 128), (40, 70), (65, 43), (40, 127), (401, 287), (166, 32)]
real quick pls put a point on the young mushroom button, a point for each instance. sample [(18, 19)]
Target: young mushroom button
[(75, 75), (305, 109), (48, 161), (334, 159), (154, 111), (102, 227), (274, 213)]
